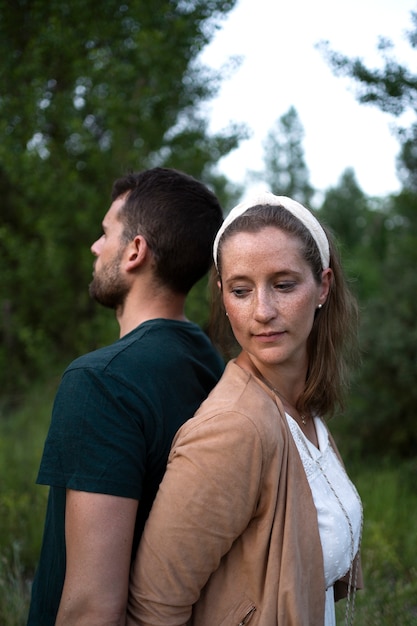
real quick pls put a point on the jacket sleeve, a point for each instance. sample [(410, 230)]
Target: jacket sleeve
[(205, 501)]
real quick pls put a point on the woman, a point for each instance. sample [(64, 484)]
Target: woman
[(256, 520)]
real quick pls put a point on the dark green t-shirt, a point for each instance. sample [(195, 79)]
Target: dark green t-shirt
[(115, 414)]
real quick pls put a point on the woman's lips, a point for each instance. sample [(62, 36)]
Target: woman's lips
[(269, 337)]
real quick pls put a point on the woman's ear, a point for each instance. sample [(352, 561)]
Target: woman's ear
[(326, 281)]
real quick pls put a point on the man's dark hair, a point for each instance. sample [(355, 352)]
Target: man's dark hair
[(179, 218)]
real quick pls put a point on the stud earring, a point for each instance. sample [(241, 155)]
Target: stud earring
[(319, 306)]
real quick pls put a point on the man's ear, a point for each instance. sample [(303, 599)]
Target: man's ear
[(136, 252)]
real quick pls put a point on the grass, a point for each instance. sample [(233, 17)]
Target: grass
[(389, 545), (22, 503), (14, 589)]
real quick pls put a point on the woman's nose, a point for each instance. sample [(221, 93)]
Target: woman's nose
[(265, 308)]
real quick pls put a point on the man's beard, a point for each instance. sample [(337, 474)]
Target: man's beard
[(108, 287)]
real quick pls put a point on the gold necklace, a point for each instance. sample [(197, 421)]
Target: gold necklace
[(303, 418)]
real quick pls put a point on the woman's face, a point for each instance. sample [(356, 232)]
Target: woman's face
[(270, 295)]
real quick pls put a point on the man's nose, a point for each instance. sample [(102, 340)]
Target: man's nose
[(95, 247)]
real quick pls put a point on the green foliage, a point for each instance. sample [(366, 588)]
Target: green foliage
[(86, 95), (14, 590), (389, 546), (392, 88), (22, 505), (285, 172), (358, 222), (389, 342), (384, 402), (379, 246), (345, 209), (197, 305)]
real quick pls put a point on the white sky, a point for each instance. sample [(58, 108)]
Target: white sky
[(282, 68)]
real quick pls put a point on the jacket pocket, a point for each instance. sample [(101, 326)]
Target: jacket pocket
[(248, 616), (241, 614)]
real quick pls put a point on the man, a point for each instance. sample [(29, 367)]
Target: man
[(118, 408)]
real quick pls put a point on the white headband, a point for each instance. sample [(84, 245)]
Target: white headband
[(295, 208)]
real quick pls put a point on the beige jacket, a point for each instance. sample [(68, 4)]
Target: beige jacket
[(232, 538)]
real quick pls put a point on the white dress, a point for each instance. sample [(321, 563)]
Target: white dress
[(337, 503)]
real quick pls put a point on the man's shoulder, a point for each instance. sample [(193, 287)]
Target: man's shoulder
[(153, 341)]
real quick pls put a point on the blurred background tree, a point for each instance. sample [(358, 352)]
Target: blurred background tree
[(89, 92), (378, 243), (385, 397), (285, 171), (87, 95)]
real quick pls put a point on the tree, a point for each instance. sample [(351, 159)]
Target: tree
[(358, 223), (88, 92), (385, 399), (384, 402), (392, 88), (285, 169), (344, 210)]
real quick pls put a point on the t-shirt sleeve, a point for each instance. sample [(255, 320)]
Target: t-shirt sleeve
[(96, 441)]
